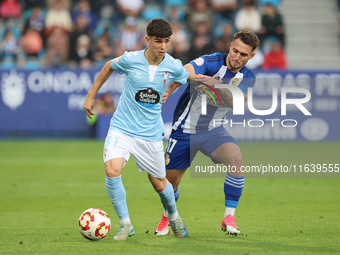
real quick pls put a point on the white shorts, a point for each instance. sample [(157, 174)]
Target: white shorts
[(148, 155)]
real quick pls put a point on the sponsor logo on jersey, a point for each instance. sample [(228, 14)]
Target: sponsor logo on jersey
[(147, 98)]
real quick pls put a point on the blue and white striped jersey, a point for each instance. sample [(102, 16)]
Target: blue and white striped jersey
[(187, 115)]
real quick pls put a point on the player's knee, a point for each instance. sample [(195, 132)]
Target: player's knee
[(113, 167), (159, 186), (238, 161), (112, 171)]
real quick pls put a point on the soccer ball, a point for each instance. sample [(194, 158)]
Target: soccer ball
[(94, 224)]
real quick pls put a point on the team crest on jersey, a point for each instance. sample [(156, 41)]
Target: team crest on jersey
[(167, 159), (235, 82), (199, 61), (165, 76), (147, 98)]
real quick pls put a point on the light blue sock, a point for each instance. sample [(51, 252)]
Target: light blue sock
[(176, 193), (117, 194), (168, 198)]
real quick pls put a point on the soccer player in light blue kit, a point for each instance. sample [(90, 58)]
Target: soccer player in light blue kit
[(193, 132), (137, 127)]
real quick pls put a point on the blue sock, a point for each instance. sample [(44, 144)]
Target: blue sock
[(233, 187), (168, 199), (117, 194), (176, 193)]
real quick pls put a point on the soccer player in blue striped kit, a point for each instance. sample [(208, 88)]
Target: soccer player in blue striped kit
[(193, 131), (136, 126)]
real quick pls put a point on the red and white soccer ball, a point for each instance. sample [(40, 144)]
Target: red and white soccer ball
[(94, 224)]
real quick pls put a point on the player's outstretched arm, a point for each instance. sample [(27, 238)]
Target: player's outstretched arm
[(169, 90), (98, 83), (225, 94), (174, 85), (191, 70)]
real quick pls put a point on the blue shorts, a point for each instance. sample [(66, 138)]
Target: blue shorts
[(182, 148)]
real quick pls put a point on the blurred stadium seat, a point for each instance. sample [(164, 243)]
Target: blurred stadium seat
[(152, 11)]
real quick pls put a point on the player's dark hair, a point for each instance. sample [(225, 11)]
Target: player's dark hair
[(158, 28), (247, 37)]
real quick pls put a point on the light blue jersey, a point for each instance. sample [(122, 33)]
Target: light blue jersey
[(139, 109)]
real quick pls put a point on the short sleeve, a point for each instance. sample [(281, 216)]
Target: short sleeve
[(199, 65), (181, 75), (120, 64), (208, 64)]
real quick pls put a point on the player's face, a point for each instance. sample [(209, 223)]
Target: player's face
[(158, 46), (239, 55)]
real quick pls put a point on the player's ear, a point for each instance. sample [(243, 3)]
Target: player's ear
[(231, 44), (147, 39)]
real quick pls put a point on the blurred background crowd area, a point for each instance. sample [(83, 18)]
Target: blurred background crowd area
[(37, 34)]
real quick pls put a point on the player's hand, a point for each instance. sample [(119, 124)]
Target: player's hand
[(165, 96), (206, 80), (169, 90), (202, 76), (89, 106)]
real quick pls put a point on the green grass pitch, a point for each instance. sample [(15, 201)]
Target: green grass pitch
[(46, 185)]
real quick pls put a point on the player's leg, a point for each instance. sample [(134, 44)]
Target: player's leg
[(230, 154), (221, 147), (115, 157), (115, 187), (178, 156), (150, 157), (174, 176), (177, 159), (165, 190)]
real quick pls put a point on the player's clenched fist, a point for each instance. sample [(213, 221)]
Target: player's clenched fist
[(88, 106)]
